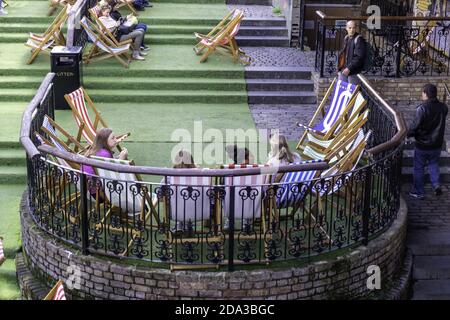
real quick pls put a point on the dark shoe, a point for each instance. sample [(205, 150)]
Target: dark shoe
[(145, 48), (148, 5), (417, 195), (438, 191)]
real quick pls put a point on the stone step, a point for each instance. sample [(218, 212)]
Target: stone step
[(408, 157), (250, 2), (263, 31), (431, 267), (429, 242), (266, 41), (431, 290), (277, 73), (279, 85), (407, 174), (274, 22), (284, 97)]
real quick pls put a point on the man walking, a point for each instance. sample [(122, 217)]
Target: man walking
[(353, 56), (428, 131)]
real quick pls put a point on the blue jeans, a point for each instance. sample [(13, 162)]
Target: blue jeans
[(423, 158)]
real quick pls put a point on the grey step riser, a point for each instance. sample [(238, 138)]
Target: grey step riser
[(263, 33), (279, 87), (250, 2), (431, 274), (430, 249), (251, 74), (443, 161), (408, 178), (263, 23), (281, 100), (263, 43)]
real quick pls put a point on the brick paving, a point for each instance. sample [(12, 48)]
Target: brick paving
[(279, 57), (255, 11)]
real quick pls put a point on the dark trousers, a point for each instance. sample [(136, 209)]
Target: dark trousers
[(423, 158)]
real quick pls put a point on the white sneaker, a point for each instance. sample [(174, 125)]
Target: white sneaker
[(143, 53), (137, 56)]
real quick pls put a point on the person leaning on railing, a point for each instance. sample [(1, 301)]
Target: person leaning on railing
[(123, 32), (352, 58), (428, 130), (105, 141)]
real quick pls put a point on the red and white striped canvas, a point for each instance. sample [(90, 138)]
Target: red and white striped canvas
[(246, 205), (79, 103), (185, 206), (60, 295), (2, 254)]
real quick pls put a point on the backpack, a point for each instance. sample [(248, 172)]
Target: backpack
[(368, 62)]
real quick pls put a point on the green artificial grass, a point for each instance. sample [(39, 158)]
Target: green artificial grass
[(10, 230)]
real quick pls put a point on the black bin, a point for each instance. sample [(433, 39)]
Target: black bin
[(67, 66)]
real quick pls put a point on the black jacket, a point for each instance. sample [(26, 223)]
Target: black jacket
[(355, 55), (428, 127)]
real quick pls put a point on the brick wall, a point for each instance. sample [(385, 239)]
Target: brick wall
[(394, 90), (342, 277)]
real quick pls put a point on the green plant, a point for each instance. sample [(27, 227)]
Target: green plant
[(276, 10)]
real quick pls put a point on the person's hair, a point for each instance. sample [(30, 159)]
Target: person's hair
[(100, 142), (354, 22), (280, 148), (430, 90), (184, 160), (239, 155)]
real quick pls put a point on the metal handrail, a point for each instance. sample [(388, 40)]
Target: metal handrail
[(447, 93), (323, 16), (400, 123)]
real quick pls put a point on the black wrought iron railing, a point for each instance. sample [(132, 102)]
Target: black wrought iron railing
[(193, 218), (406, 47)]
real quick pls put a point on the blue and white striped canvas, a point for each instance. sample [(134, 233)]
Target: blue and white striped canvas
[(342, 94), (291, 192), (46, 124)]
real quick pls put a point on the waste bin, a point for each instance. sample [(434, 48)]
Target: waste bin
[(67, 66)]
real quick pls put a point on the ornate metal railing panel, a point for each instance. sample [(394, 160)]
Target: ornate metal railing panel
[(401, 48), (222, 221)]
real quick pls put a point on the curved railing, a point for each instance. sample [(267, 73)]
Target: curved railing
[(207, 218)]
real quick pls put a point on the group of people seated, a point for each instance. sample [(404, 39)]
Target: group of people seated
[(138, 5)]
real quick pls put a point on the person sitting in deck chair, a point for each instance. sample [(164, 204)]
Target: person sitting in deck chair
[(131, 20), (280, 153), (105, 141), (122, 32)]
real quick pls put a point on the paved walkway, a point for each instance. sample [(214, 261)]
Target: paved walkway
[(255, 11), (429, 240)]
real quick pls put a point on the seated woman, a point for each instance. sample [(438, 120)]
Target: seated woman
[(280, 153), (104, 143), (55, 3), (123, 33)]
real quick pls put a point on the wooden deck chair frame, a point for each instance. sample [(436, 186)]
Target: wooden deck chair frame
[(225, 35), (338, 144), (101, 40), (199, 47), (321, 111), (125, 3), (5, 4), (52, 292), (82, 131), (144, 216), (105, 30), (53, 31), (70, 139)]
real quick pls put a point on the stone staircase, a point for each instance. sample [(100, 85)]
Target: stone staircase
[(289, 85), (263, 32)]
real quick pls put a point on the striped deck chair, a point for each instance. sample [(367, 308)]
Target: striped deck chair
[(248, 195), (57, 292), (2, 253), (50, 127), (103, 47), (338, 146), (79, 101), (339, 106), (52, 37), (198, 48), (126, 201), (225, 39), (189, 201)]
